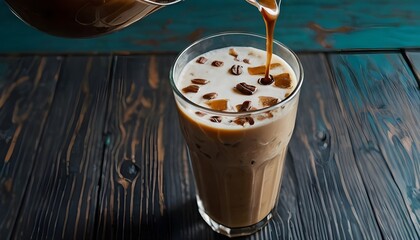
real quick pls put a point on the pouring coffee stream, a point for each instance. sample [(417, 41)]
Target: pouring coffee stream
[(270, 10)]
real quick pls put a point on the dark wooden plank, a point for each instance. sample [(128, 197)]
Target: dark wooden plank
[(147, 186), (379, 99), (132, 197), (26, 91), (414, 58), (61, 199), (303, 25), (332, 197)]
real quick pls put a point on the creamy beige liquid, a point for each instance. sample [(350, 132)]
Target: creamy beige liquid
[(237, 165)]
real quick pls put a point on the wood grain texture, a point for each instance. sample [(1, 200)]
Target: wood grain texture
[(148, 191), (101, 156), (379, 98), (303, 25), (332, 197), (132, 196), (414, 60), (61, 198), (26, 92)]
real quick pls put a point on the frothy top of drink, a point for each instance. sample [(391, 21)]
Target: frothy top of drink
[(232, 80)]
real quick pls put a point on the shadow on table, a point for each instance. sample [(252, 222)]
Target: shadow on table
[(186, 223)]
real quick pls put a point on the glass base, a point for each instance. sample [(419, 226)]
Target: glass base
[(228, 231)]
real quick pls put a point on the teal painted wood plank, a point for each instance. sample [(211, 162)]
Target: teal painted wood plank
[(341, 1), (379, 99), (302, 26), (27, 87)]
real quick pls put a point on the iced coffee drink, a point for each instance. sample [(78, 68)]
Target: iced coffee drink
[(237, 125)]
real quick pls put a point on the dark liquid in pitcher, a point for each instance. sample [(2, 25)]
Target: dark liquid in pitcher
[(80, 18)]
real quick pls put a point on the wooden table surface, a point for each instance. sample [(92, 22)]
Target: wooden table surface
[(90, 148)]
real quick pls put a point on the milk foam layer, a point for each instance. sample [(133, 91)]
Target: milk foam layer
[(222, 81)]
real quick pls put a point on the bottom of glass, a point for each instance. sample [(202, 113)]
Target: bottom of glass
[(232, 232)]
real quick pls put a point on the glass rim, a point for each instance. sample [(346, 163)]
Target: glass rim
[(294, 93)]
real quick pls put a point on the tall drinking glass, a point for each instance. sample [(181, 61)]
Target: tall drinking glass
[(237, 171)]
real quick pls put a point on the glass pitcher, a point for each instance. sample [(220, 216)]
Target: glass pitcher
[(83, 18)]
